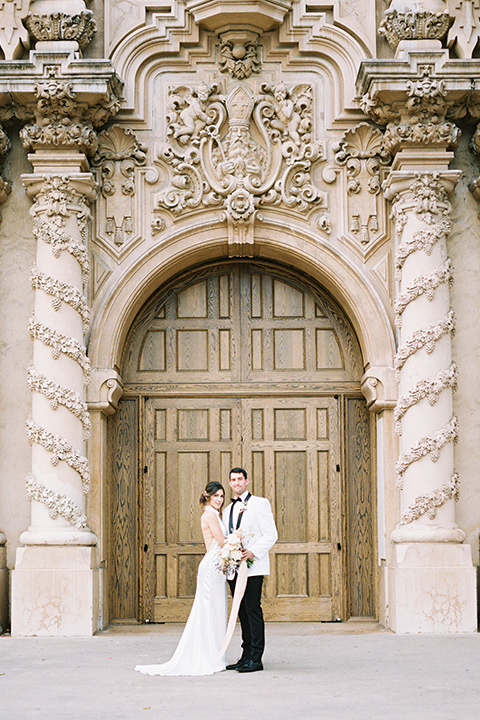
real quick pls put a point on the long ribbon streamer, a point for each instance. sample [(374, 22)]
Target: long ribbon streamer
[(240, 586)]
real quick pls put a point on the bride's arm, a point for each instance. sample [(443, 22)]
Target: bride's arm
[(210, 521)]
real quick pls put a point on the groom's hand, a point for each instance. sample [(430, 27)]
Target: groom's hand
[(247, 554)]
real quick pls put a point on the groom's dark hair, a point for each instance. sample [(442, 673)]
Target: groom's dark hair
[(239, 470)]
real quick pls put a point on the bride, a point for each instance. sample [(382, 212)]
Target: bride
[(198, 652)]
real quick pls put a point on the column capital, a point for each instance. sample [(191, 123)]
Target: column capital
[(418, 185)]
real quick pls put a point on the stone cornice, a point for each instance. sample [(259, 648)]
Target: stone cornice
[(93, 85), (451, 87)]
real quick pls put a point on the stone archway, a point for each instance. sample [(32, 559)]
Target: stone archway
[(243, 363), (124, 295)]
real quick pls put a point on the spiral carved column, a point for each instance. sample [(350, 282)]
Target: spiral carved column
[(60, 422), (425, 422), (429, 568)]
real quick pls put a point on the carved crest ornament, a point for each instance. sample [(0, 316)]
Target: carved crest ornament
[(240, 151)]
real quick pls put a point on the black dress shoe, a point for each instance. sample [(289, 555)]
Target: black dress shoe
[(251, 666), (235, 666)]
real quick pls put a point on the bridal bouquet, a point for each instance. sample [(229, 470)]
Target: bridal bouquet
[(231, 554)]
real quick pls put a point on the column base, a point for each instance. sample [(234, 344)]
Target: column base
[(432, 588), (55, 591)]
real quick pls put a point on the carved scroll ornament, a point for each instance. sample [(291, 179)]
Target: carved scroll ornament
[(240, 151)]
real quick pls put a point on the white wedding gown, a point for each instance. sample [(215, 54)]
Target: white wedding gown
[(198, 652)]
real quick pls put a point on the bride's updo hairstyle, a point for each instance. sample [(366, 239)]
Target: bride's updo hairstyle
[(211, 488)]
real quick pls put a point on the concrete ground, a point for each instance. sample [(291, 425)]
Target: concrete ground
[(356, 671)]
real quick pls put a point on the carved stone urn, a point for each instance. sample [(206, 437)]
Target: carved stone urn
[(69, 20)]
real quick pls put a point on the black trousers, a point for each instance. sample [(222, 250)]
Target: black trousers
[(251, 618)]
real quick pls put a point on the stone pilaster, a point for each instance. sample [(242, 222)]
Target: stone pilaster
[(55, 584), (429, 566)]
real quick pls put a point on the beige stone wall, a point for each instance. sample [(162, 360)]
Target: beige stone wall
[(17, 252)]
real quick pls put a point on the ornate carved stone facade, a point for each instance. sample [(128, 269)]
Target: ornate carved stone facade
[(178, 137)]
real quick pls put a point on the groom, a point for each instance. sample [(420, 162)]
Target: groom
[(254, 515)]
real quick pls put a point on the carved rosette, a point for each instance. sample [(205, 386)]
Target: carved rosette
[(362, 153), (60, 422), (118, 155), (240, 151), (425, 25), (62, 26), (425, 372)]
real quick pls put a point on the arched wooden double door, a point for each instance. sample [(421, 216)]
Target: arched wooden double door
[(242, 364)]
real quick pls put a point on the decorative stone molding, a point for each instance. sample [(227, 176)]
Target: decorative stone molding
[(361, 151), (379, 389), (425, 338), (56, 503), (218, 14), (104, 391), (60, 217), (239, 54), (240, 151), (13, 35), (117, 156)]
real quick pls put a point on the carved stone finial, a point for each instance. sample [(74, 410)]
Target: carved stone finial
[(13, 35), (68, 20), (415, 20)]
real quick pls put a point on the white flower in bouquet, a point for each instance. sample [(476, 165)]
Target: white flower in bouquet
[(231, 554)]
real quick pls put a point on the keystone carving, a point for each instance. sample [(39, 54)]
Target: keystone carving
[(240, 152), (239, 54)]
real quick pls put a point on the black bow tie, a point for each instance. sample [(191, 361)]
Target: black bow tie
[(234, 500)]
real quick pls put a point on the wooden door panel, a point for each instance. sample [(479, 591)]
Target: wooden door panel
[(192, 443), (293, 444)]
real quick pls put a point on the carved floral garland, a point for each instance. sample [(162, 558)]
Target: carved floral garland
[(425, 389), (428, 503), (60, 395), (54, 234), (423, 285), (61, 292), (61, 449), (56, 503), (424, 339), (60, 343), (428, 445)]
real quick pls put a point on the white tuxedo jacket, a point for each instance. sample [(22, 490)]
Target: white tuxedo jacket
[(260, 533)]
